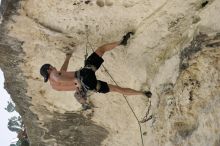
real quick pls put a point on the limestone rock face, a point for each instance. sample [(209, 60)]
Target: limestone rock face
[(175, 53)]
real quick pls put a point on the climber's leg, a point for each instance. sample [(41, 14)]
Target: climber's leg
[(128, 91), (107, 47)]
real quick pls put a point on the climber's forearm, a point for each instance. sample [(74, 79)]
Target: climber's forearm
[(65, 64)]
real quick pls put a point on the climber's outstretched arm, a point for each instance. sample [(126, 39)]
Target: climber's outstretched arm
[(66, 62)]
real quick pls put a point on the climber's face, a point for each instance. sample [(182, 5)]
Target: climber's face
[(50, 69)]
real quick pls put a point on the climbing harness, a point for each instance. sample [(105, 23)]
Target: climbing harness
[(88, 44), (83, 88)]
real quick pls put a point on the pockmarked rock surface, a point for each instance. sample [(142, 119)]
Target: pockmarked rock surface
[(175, 53)]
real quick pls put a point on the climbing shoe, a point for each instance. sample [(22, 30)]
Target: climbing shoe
[(148, 94), (125, 38)]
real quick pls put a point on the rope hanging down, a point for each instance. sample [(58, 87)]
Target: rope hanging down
[(88, 44)]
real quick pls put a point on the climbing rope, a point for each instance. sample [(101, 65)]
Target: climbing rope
[(125, 97), (88, 44)]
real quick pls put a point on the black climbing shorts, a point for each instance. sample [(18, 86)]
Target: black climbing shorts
[(102, 87), (94, 60), (89, 77)]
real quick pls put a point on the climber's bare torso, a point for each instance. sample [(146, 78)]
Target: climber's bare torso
[(63, 81)]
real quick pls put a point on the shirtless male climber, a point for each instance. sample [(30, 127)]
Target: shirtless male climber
[(85, 79)]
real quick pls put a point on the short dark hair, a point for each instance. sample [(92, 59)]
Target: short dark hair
[(44, 72)]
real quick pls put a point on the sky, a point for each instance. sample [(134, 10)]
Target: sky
[(6, 135)]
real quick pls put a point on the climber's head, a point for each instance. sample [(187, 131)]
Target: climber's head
[(45, 71)]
